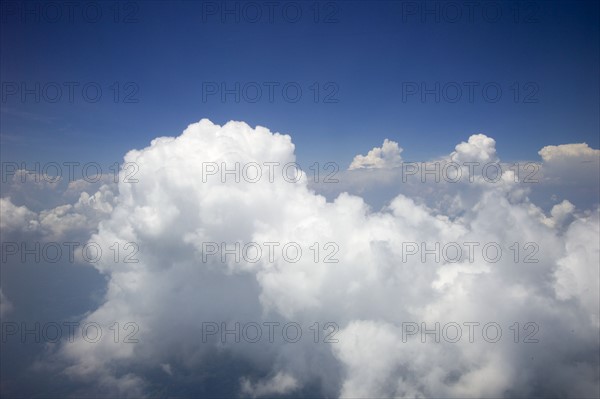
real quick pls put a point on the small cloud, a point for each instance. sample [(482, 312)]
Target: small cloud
[(280, 384), (479, 148), (386, 156), (167, 368)]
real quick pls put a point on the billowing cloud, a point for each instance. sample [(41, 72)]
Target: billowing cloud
[(567, 172), (386, 156), (560, 214), (519, 322), (60, 222), (568, 151), (479, 148), (16, 218)]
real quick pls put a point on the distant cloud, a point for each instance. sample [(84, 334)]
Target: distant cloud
[(61, 221), (16, 218), (280, 384), (573, 166), (386, 156), (557, 152), (479, 148)]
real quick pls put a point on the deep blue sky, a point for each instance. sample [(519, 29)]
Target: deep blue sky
[(368, 50)]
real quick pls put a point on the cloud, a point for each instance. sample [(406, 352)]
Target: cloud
[(569, 171), (167, 368), (386, 156), (363, 299), (16, 218), (479, 148), (61, 222), (545, 182), (280, 384), (568, 151), (5, 305), (561, 213), (575, 275), (571, 165)]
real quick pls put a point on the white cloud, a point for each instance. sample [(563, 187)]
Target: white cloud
[(386, 156), (479, 148), (546, 183), (556, 152), (369, 293), (577, 271), (61, 222), (16, 218), (572, 166), (561, 212)]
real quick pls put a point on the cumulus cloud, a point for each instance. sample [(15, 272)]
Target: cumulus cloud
[(449, 182), (571, 164), (569, 171), (386, 156), (560, 213), (580, 150), (61, 222), (16, 218), (479, 148), (368, 294)]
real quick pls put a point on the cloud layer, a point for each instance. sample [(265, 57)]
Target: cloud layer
[(375, 293)]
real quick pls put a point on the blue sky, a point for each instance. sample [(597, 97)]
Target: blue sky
[(367, 52)]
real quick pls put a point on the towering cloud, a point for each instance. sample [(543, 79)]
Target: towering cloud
[(510, 293)]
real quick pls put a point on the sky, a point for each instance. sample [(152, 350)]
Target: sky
[(374, 55), (447, 244)]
